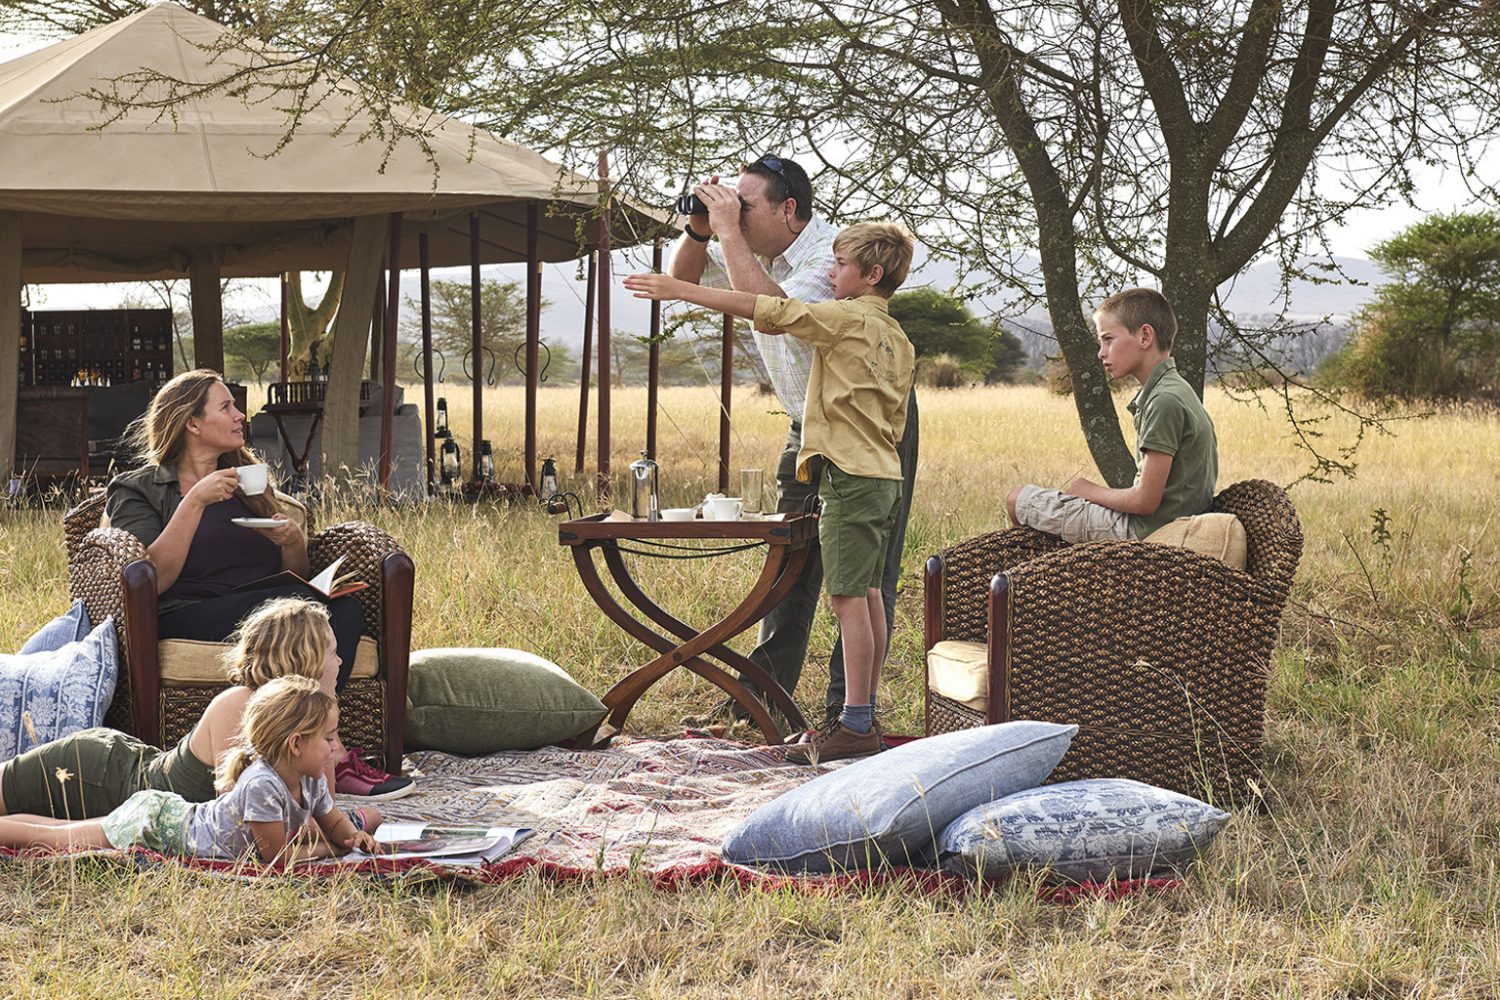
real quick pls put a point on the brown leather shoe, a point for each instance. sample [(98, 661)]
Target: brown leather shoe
[(836, 743)]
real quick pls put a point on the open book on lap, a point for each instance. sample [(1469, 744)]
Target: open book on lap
[(327, 583)]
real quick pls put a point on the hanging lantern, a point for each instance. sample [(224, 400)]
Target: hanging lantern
[(451, 465), (486, 462), (441, 430)]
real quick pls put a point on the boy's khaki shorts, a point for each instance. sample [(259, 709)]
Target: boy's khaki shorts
[(1072, 518), (858, 517)]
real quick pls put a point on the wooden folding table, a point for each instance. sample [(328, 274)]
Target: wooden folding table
[(786, 544)]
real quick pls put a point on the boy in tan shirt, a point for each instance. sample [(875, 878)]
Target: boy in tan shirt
[(856, 411)]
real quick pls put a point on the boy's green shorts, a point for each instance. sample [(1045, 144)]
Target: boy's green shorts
[(858, 517)]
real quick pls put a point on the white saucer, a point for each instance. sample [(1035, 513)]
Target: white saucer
[(257, 522)]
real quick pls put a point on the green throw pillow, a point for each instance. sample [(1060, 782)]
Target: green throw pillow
[(477, 701)]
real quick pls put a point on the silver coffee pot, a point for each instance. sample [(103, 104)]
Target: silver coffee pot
[(645, 483)]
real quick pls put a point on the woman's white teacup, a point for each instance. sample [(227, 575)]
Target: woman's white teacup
[(253, 479), (679, 513), (723, 508)]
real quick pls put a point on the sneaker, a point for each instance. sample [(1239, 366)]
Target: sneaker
[(838, 742), (354, 776)]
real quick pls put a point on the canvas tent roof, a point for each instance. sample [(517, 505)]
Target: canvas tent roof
[(135, 198)]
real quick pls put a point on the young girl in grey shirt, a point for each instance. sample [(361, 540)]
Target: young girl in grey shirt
[(270, 789)]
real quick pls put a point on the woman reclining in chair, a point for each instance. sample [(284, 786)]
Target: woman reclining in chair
[(92, 772)]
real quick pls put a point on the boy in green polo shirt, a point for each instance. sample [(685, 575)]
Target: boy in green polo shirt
[(856, 412), (1176, 452)]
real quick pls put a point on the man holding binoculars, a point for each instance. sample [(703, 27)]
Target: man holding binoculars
[(760, 236)]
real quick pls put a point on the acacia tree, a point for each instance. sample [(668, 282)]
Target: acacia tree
[(1060, 149), (1433, 331)]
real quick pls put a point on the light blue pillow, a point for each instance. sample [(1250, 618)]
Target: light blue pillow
[(60, 631), (1083, 831), (63, 690), (890, 808)]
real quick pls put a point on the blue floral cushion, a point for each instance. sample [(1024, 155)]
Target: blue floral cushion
[(61, 690), (60, 631), (1083, 831), (890, 808)]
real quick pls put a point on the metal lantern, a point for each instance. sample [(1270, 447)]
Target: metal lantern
[(486, 462), (441, 430), (451, 465), (548, 485)]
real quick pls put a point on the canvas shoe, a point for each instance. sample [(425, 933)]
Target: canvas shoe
[(354, 776), (836, 742)]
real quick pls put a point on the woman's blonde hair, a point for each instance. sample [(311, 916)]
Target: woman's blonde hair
[(283, 708), (283, 637), (160, 435)]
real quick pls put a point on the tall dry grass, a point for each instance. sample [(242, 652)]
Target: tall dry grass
[(1375, 875)]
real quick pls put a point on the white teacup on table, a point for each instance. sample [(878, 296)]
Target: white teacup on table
[(679, 513), (723, 508), (253, 479)]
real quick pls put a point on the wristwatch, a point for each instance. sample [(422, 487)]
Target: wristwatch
[(688, 228)]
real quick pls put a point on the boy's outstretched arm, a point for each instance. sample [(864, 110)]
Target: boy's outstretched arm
[(1142, 498), (664, 286)]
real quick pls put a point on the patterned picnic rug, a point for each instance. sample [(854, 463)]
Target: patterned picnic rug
[(660, 809), (643, 805)]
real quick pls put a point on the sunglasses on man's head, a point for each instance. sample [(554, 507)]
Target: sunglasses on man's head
[(773, 164)]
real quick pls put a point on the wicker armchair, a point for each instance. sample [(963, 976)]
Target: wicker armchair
[(1158, 654), (108, 569)]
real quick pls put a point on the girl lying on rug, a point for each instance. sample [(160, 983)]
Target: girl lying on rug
[(92, 772), (269, 792)]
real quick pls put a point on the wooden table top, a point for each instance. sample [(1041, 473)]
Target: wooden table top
[(792, 529)]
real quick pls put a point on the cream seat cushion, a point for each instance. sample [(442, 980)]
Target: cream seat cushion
[(1219, 535), (188, 662), (959, 671)]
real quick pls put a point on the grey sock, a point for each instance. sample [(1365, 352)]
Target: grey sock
[(858, 717)]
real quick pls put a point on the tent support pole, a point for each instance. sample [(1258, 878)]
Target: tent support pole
[(533, 336), (602, 487), (10, 336), (428, 414), (653, 360), (377, 327), (476, 340), (208, 311), (587, 356), (388, 358), (286, 323), (726, 391)]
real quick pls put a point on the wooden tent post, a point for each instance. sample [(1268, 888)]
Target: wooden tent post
[(286, 323), (377, 327), (653, 362), (428, 414), (726, 391), (587, 357), (533, 336), (602, 486), (10, 337), (351, 326), (208, 310), (388, 353), (476, 340)]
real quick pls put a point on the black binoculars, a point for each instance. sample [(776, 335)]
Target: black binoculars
[(691, 204)]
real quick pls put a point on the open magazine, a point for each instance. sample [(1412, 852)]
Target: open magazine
[(328, 583), (445, 845)]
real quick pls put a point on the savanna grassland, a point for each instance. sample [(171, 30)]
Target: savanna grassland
[(1375, 874)]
